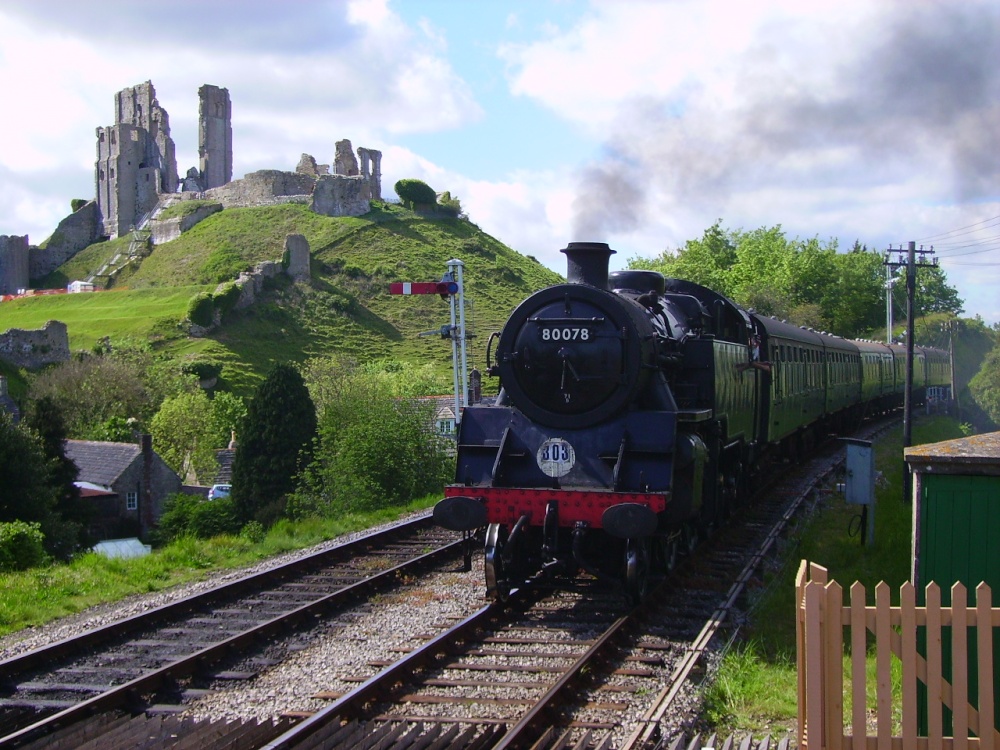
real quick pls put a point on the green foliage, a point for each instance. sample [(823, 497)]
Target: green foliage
[(414, 193), (29, 492), (184, 208), (214, 518), (201, 309), (77, 203), (223, 264), (274, 445), (175, 521), (191, 515), (97, 395), (449, 205), (184, 434), (806, 281), (21, 546), (375, 450), (73, 516), (226, 298), (985, 386)]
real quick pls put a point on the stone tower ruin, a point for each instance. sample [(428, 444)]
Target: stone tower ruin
[(135, 159), (215, 136)]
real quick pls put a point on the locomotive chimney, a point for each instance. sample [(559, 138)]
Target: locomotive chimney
[(587, 263)]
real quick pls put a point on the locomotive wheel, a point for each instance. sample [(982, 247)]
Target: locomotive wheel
[(637, 570), (497, 577), (689, 538), (669, 551)]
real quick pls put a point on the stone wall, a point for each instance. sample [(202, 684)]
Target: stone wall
[(74, 233), (215, 136), (296, 257), (34, 349), (13, 263), (264, 187), (337, 195)]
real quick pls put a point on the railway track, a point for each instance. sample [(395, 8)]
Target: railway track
[(555, 667), (149, 660), (563, 668)]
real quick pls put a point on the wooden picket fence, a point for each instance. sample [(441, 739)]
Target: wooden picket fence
[(821, 619)]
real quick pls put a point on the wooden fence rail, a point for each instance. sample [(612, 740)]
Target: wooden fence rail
[(821, 619)]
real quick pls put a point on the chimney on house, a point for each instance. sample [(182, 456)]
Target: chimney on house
[(146, 511)]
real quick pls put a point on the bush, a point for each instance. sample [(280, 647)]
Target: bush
[(21, 546), (201, 309), (77, 203), (415, 193), (449, 205), (191, 515), (214, 518), (176, 519), (226, 298)]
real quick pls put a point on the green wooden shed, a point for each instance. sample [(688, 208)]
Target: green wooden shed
[(956, 527)]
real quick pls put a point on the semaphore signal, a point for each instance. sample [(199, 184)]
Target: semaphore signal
[(450, 288)]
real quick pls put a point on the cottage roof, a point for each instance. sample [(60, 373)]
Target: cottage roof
[(101, 463)]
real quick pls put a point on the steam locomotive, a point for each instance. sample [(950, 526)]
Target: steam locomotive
[(635, 412)]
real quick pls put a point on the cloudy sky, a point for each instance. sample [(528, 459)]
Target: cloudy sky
[(634, 123)]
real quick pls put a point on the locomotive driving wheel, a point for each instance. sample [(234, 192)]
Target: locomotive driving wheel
[(637, 564), (501, 563)]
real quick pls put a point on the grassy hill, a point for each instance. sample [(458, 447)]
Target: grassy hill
[(346, 308)]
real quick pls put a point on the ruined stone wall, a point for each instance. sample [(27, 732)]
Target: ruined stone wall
[(371, 169), (37, 348), (263, 188), (215, 136), (13, 263), (337, 195), (138, 106), (162, 231), (136, 159), (78, 230)]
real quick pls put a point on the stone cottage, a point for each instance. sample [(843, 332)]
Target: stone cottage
[(126, 482)]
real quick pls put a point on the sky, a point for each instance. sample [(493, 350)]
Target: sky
[(639, 124)]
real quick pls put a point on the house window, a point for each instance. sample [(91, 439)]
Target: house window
[(131, 501)]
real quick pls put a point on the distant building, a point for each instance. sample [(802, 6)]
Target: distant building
[(126, 482)]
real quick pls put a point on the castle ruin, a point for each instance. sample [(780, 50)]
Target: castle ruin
[(136, 173)]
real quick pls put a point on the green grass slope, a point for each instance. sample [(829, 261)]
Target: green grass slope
[(345, 309)]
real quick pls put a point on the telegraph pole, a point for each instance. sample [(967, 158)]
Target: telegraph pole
[(911, 289)]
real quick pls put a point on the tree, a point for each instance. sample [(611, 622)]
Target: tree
[(73, 515), (985, 386), (375, 449), (415, 193), (184, 434), (29, 492), (98, 393), (273, 445)]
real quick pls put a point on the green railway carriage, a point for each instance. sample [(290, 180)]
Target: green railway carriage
[(876, 375), (843, 375), (796, 396)]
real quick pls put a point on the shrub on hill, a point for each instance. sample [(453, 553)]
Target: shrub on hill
[(77, 203), (201, 309), (415, 193)]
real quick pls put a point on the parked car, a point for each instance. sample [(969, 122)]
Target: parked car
[(219, 490)]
